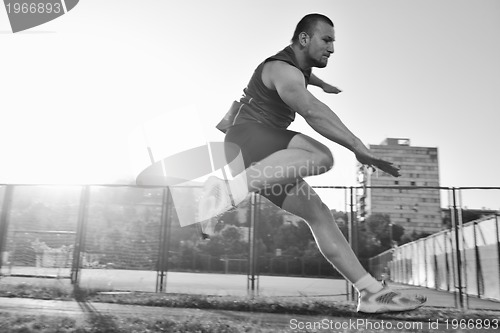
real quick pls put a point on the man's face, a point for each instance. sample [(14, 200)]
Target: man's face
[(320, 45)]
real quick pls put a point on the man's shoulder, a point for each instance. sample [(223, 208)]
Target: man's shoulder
[(278, 72), (281, 68)]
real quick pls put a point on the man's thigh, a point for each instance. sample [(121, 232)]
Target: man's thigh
[(256, 142), (304, 142)]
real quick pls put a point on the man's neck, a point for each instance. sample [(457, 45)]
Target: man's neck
[(301, 57)]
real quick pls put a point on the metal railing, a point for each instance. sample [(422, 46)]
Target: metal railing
[(470, 269)]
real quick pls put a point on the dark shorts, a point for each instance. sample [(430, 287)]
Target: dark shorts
[(257, 141)]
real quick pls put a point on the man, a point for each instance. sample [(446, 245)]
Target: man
[(277, 160)]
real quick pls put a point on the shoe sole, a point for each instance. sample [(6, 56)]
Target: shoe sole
[(387, 310)]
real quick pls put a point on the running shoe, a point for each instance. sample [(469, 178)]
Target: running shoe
[(388, 300), (215, 200)]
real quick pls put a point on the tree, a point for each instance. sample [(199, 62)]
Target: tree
[(228, 242), (383, 230), (290, 235), (407, 238)]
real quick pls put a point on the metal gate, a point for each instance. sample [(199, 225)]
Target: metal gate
[(32, 245)]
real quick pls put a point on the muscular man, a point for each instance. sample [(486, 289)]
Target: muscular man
[(277, 160)]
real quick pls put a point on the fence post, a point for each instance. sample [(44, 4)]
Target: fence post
[(409, 268), (425, 263), (352, 233), (407, 263), (251, 250), (354, 223), (4, 220), (498, 245), (348, 286), (447, 261), (479, 271), (168, 231), (161, 277), (435, 266), (255, 247), (458, 254), (465, 289), (80, 236), (403, 264), (414, 262)]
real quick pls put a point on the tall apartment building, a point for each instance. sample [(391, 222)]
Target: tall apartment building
[(415, 209)]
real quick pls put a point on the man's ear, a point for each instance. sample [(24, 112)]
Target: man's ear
[(303, 38)]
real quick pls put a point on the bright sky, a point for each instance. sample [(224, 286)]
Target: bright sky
[(78, 93)]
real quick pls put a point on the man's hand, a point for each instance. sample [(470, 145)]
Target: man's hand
[(328, 88), (367, 158)]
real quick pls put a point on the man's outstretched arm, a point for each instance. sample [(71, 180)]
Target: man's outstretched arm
[(328, 88), (289, 83)]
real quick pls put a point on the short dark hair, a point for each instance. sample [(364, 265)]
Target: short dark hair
[(308, 23)]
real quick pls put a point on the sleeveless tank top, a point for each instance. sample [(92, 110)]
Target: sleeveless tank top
[(263, 105)]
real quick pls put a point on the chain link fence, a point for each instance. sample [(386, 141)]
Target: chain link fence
[(114, 237)]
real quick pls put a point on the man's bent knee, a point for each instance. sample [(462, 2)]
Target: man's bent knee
[(323, 161), (324, 213), (320, 157)]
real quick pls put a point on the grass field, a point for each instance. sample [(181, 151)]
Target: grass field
[(125, 324), (94, 311)]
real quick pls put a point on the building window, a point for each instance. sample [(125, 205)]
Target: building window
[(408, 220), (412, 183), (396, 182)]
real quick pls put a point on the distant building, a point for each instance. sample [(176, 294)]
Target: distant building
[(415, 209)]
